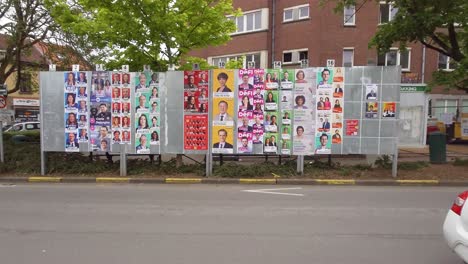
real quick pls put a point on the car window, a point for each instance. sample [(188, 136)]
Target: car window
[(30, 126), (17, 127)]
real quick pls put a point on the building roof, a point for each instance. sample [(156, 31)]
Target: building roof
[(31, 56)]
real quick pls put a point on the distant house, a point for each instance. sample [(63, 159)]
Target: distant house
[(23, 105)]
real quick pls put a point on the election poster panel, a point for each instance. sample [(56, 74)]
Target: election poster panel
[(146, 111), (196, 110), (304, 112), (100, 111), (71, 117), (250, 100), (224, 111), (195, 132), (337, 104)]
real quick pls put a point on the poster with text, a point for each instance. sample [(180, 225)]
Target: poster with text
[(337, 104), (195, 100), (196, 132), (224, 111), (287, 79), (74, 98), (352, 127), (371, 92), (272, 79), (304, 111), (323, 143), (388, 109), (372, 110), (100, 111)]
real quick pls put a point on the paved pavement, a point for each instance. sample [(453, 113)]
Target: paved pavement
[(105, 223)]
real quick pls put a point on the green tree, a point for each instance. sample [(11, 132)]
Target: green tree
[(25, 23), (145, 32), (438, 25)]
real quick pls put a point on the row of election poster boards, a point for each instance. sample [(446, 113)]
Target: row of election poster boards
[(245, 111)]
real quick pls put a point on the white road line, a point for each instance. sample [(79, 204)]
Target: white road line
[(272, 191)]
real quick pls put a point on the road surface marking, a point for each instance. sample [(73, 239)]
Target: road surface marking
[(273, 191)]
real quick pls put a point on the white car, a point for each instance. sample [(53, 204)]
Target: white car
[(456, 227), (24, 126)]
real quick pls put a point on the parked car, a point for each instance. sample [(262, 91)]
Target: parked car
[(24, 126), (456, 227)]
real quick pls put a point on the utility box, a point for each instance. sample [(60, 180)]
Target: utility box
[(437, 147)]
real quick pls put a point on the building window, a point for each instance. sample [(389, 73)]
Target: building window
[(348, 57), (387, 12), (25, 83), (445, 63), (443, 106), (250, 21), (246, 58), (287, 57), (295, 56), (296, 13), (349, 15), (304, 12), (395, 57), (287, 15)]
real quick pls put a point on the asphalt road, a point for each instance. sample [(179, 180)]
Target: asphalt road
[(223, 224)]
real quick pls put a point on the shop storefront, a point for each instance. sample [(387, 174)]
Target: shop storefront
[(26, 109)]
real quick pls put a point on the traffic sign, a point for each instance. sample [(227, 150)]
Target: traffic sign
[(3, 102)]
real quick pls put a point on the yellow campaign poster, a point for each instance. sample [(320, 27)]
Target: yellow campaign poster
[(223, 83), (223, 139), (223, 111)]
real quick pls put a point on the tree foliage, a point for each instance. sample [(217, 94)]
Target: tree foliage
[(25, 23), (145, 32), (438, 25)]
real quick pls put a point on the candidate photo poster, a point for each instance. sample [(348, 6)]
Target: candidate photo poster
[(75, 96), (388, 109), (272, 79), (324, 117), (271, 116), (371, 92), (372, 110), (224, 111), (250, 98), (337, 105), (196, 110), (323, 143), (100, 111), (286, 129), (121, 108), (304, 112), (287, 79), (146, 106)]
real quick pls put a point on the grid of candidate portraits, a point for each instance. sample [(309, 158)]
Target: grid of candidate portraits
[(106, 118), (196, 103), (285, 111), (253, 111), (76, 114)]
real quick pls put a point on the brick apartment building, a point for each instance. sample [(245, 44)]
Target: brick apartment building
[(292, 30)]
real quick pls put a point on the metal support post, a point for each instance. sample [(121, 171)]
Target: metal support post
[(208, 166), (123, 160), (300, 164), (395, 162)]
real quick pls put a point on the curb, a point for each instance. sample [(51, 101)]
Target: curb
[(146, 180)]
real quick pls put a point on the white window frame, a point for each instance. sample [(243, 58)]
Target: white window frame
[(352, 57), (292, 15), (295, 56), (390, 8), (296, 14), (398, 62), (263, 58), (345, 21), (263, 21), (447, 68), (299, 12)]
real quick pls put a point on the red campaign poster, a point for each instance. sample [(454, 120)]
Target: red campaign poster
[(196, 132), (352, 127), (196, 91)]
